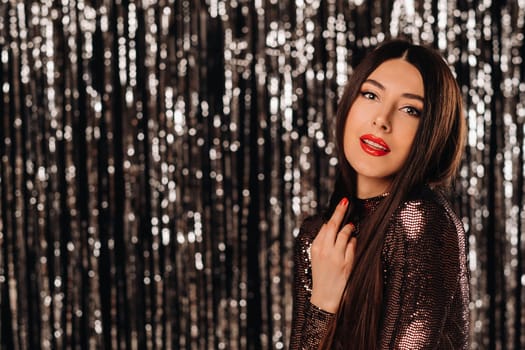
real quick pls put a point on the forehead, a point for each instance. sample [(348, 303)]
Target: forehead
[(399, 74)]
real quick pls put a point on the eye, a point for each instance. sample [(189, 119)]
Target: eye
[(368, 95), (412, 111)]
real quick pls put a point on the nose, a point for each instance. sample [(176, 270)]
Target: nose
[(382, 122)]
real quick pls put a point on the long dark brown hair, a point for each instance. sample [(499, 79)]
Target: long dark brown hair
[(433, 160)]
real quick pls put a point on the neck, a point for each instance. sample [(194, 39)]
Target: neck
[(368, 188)]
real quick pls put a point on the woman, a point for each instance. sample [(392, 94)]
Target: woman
[(386, 267)]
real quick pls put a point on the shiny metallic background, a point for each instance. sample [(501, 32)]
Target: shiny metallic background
[(157, 158)]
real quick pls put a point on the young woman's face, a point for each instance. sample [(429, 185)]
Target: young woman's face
[(382, 123)]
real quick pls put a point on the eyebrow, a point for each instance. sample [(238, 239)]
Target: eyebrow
[(406, 94)]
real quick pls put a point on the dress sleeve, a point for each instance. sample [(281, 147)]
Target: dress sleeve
[(422, 258), (309, 323)]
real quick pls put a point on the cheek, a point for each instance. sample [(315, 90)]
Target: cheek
[(351, 137), (347, 131), (354, 122), (407, 129), (406, 138)]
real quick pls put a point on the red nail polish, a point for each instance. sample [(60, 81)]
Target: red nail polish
[(344, 201)]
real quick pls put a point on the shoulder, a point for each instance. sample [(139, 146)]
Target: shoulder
[(303, 242), (425, 239), (427, 213), (309, 229), (425, 226)]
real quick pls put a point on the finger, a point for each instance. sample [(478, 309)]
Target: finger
[(319, 238), (350, 250), (343, 236), (337, 217)]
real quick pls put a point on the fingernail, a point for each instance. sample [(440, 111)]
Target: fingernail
[(344, 201)]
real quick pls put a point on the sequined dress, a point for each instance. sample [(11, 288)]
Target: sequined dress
[(426, 291)]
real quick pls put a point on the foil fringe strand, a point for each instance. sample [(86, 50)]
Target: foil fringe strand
[(158, 157)]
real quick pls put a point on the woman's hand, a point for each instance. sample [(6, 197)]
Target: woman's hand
[(332, 255)]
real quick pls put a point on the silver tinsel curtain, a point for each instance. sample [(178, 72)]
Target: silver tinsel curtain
[(158, 157)]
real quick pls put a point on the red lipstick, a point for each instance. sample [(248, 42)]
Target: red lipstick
[(375, 146)]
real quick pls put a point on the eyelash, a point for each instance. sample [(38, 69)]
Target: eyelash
[(412, 111), (367, 94)]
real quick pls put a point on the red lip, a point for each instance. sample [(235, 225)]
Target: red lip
[(373, 145)]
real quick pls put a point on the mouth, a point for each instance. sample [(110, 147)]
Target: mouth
[(373, 145)]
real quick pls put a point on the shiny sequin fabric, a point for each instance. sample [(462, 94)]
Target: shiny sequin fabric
[(426, 290)]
